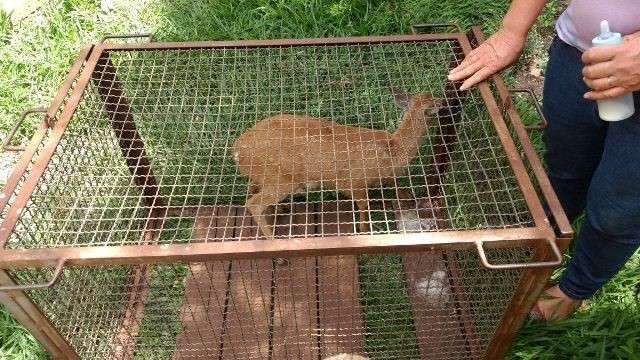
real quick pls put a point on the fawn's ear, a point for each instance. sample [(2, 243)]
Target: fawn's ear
[(401, 98)]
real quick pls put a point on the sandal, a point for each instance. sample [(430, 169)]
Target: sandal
[(556, 312), (536, 312)]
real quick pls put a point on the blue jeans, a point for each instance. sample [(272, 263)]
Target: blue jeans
[(593, 165)]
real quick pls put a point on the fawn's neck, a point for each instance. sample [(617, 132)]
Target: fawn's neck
[(410, 131)]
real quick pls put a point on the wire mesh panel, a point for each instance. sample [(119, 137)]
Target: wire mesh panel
[(190, 106), (435, 305)]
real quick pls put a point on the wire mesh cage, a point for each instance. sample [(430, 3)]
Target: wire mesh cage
[(282, 199), (437, 305)]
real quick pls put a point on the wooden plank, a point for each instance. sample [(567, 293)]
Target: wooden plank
[(463, 305), (204, 226), (232, 308), (438, 328), (459, 292), (226, 313), (206, 288), (340, 315), (248, 313), (436, 294), (202, 311), (248, 227), (250, 296), (295, 311)]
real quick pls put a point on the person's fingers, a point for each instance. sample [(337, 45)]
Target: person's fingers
[(598, 54), (601, 83), (478, 54), (467, 71), (599, 70), (631, 37), (468, 60), (606, 94), (479, 76)]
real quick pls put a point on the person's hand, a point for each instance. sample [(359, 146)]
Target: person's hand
[(497, 52), (612, 70)]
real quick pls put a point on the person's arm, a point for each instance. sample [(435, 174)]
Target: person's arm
[(612, 70), (502, 48)]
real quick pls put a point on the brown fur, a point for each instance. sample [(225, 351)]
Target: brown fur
[(287, 153)]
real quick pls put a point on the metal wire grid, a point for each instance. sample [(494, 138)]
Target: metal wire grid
[(437, 305), (189, 107), (37, 153)]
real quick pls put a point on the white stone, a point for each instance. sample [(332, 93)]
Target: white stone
[(410, 221), (434, 288), (345, 356)]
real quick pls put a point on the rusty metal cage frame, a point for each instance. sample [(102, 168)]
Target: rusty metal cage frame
[(548, 237)]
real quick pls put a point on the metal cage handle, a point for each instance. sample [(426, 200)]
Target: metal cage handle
[(6, 144), (419, 28), (536, 103), (54, 279), (149, 36), (542, 264)]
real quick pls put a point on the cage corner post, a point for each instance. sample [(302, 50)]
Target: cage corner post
[(118, 110), (20, 306), (527, 292)]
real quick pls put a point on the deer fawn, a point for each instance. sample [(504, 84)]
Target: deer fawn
[(286, 154)]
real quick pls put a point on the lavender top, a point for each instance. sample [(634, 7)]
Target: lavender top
[(580, 22)]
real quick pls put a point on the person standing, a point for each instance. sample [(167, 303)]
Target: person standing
[(593, 165)]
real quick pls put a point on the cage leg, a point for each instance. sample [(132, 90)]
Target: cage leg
[(131, 144), (32, 318), (529, 289)]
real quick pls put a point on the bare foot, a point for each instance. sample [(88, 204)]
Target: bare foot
[(554, 305)]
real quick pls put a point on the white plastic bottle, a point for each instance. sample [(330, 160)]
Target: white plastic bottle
[(621, 107)]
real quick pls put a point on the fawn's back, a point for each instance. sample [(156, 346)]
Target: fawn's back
[(304, 150)]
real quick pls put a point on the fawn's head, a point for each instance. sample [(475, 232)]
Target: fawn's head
[(418, 101)]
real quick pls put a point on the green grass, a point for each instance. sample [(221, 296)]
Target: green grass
[(607, 328), (15, 341), (161, 323), (36, 52), (390, 329)]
